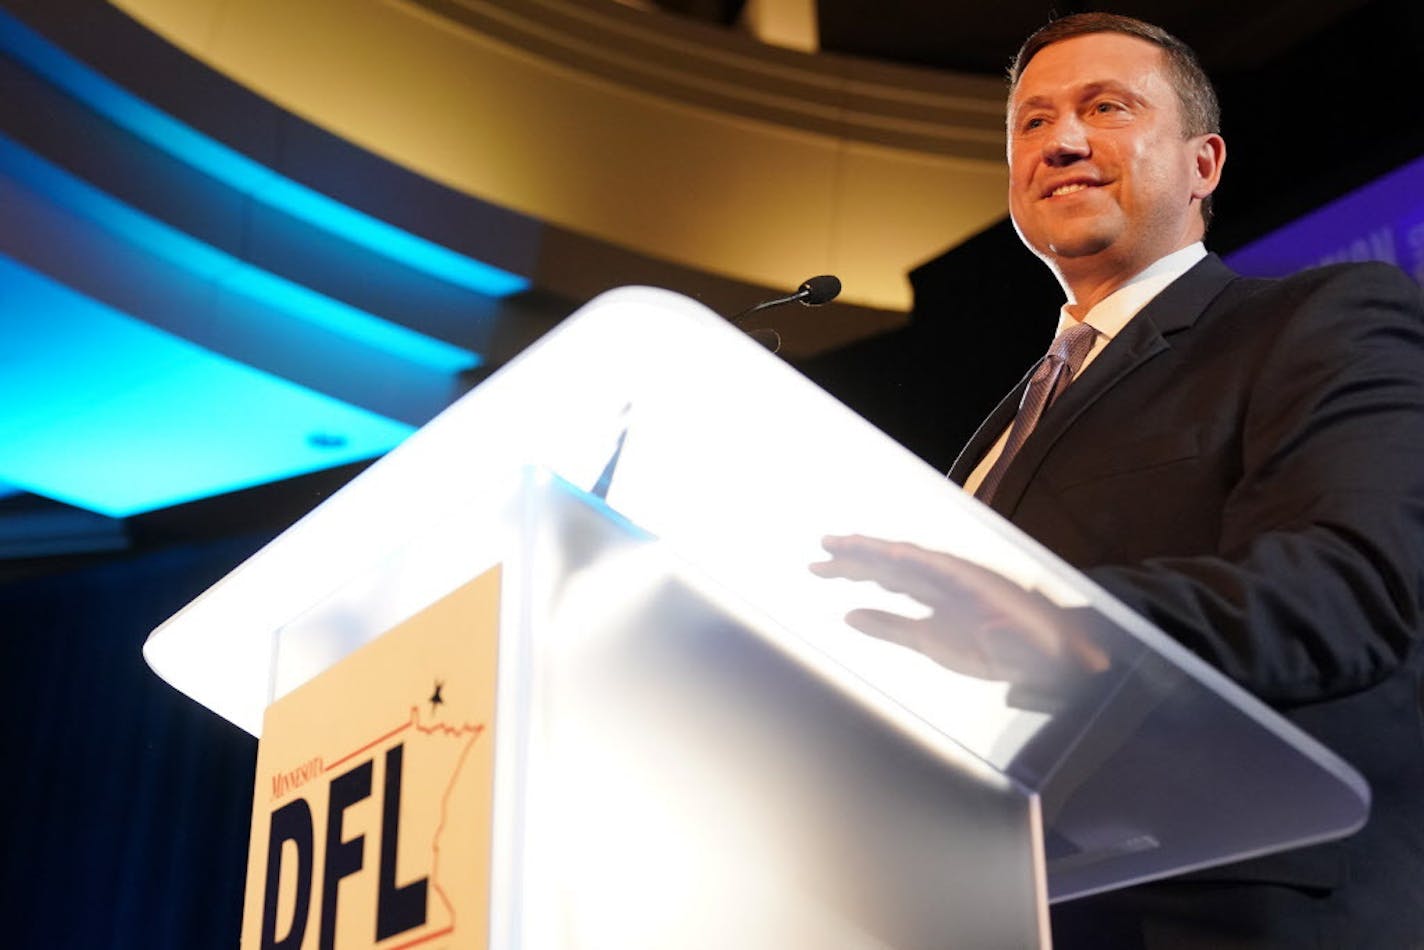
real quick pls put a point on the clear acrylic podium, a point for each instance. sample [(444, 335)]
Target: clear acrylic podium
[(693, 746)]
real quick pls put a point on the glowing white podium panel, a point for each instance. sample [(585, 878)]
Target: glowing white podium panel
[(675, 769), (739, 466)]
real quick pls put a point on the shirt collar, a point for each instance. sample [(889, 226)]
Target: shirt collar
[(1114, 311)]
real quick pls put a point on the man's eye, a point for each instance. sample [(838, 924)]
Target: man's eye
[(1106, 108), (1034, 123)]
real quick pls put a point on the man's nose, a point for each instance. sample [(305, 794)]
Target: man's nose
[(1068, 143)]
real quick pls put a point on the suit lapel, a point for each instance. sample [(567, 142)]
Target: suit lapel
[(1146, 335), (989, 431)]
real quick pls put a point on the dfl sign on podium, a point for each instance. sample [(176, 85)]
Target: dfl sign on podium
[(371, 818)]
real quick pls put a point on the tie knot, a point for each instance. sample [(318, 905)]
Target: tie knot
[(1073, 345), (1070, 348)]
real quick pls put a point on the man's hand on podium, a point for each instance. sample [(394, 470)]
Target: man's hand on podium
[(979, 624)]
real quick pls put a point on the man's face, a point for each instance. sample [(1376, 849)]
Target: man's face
[(1101, 179)]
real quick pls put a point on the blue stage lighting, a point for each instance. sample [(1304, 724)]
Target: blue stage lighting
[(107, 413), (209, 263), (245, 175)]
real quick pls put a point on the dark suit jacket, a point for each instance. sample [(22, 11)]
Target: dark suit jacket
[(1244, 465)]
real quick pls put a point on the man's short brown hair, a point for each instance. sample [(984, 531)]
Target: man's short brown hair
[(1201, 113)]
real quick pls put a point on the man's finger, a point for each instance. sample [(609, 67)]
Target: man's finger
[(931, 577), (961, 655), (884, 625)]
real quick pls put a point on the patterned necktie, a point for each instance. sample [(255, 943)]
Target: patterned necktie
[(1050, 377)]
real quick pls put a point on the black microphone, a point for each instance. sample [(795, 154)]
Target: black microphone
[(812, 293)]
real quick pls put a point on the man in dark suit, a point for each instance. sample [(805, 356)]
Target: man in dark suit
[(1241, 461)]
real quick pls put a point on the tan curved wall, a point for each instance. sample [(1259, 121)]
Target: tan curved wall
[(758, 164)]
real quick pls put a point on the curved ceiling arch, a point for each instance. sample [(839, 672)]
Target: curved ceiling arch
[(647, 133)]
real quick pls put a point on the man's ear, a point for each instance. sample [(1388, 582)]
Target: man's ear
[(1209, 157)]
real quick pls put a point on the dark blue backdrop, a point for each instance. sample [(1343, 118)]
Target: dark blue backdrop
[(126, 804)]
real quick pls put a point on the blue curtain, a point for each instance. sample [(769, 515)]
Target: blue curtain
[(126, 804)]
